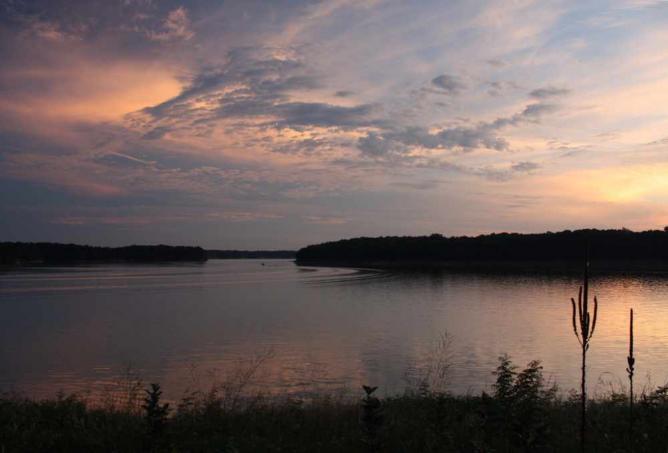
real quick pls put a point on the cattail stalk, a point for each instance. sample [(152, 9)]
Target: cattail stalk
[(631, 361), (586, 322)]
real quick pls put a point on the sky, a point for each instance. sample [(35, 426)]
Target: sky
[(277, 124)]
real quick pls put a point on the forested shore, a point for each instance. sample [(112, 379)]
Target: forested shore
[(17, 253), (610, 249)]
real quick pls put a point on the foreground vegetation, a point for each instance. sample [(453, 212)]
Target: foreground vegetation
[(520, 413)]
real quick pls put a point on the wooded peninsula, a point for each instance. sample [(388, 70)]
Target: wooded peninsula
[(606, 248)]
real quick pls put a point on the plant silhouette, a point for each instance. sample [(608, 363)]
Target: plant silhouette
[(371, 419), (155, 416), (586, 323), (631, 361)]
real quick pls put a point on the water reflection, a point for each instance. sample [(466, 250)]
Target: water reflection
[(317, 329)]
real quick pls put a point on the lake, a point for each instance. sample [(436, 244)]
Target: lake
[(87, 329)]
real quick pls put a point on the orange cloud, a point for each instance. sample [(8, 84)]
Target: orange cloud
[(89, 92)]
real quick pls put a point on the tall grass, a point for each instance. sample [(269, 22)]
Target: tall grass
[(522, 413)]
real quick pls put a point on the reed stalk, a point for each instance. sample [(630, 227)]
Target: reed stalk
[(586, 322), (631, 361)]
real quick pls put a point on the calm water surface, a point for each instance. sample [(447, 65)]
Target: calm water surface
[(79, 329)]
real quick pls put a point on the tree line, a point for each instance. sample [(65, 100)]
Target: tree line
[(560, 246), (51, 253)]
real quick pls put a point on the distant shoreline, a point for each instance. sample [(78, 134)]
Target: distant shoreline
[(499, 267), (250, 254), (49, 253)]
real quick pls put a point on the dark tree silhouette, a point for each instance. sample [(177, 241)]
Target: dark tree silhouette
[(621, 245), (50, 253)]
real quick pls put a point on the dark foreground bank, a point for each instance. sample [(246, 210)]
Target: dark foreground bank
[(521, 413)]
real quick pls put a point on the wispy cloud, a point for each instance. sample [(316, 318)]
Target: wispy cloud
[(548, 92), (175, 26)]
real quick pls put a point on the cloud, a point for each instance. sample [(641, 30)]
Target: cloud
[(109, 220), (448, 84), (418, 185), (256, 85), (320, 114), (156, 133), (246, 106), (251, 81), (495, 63), (122, 159), (50, 31), (118, 25), (499, 87), (503, 172), (525, 167), (243, 216), (549, 92), (176, 26), (534, 111), (454, 138), (325, 220), (463, 138)]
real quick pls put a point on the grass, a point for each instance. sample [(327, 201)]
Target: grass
[(520, 413)]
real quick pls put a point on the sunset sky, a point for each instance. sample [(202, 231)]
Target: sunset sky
[(277, 124)]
